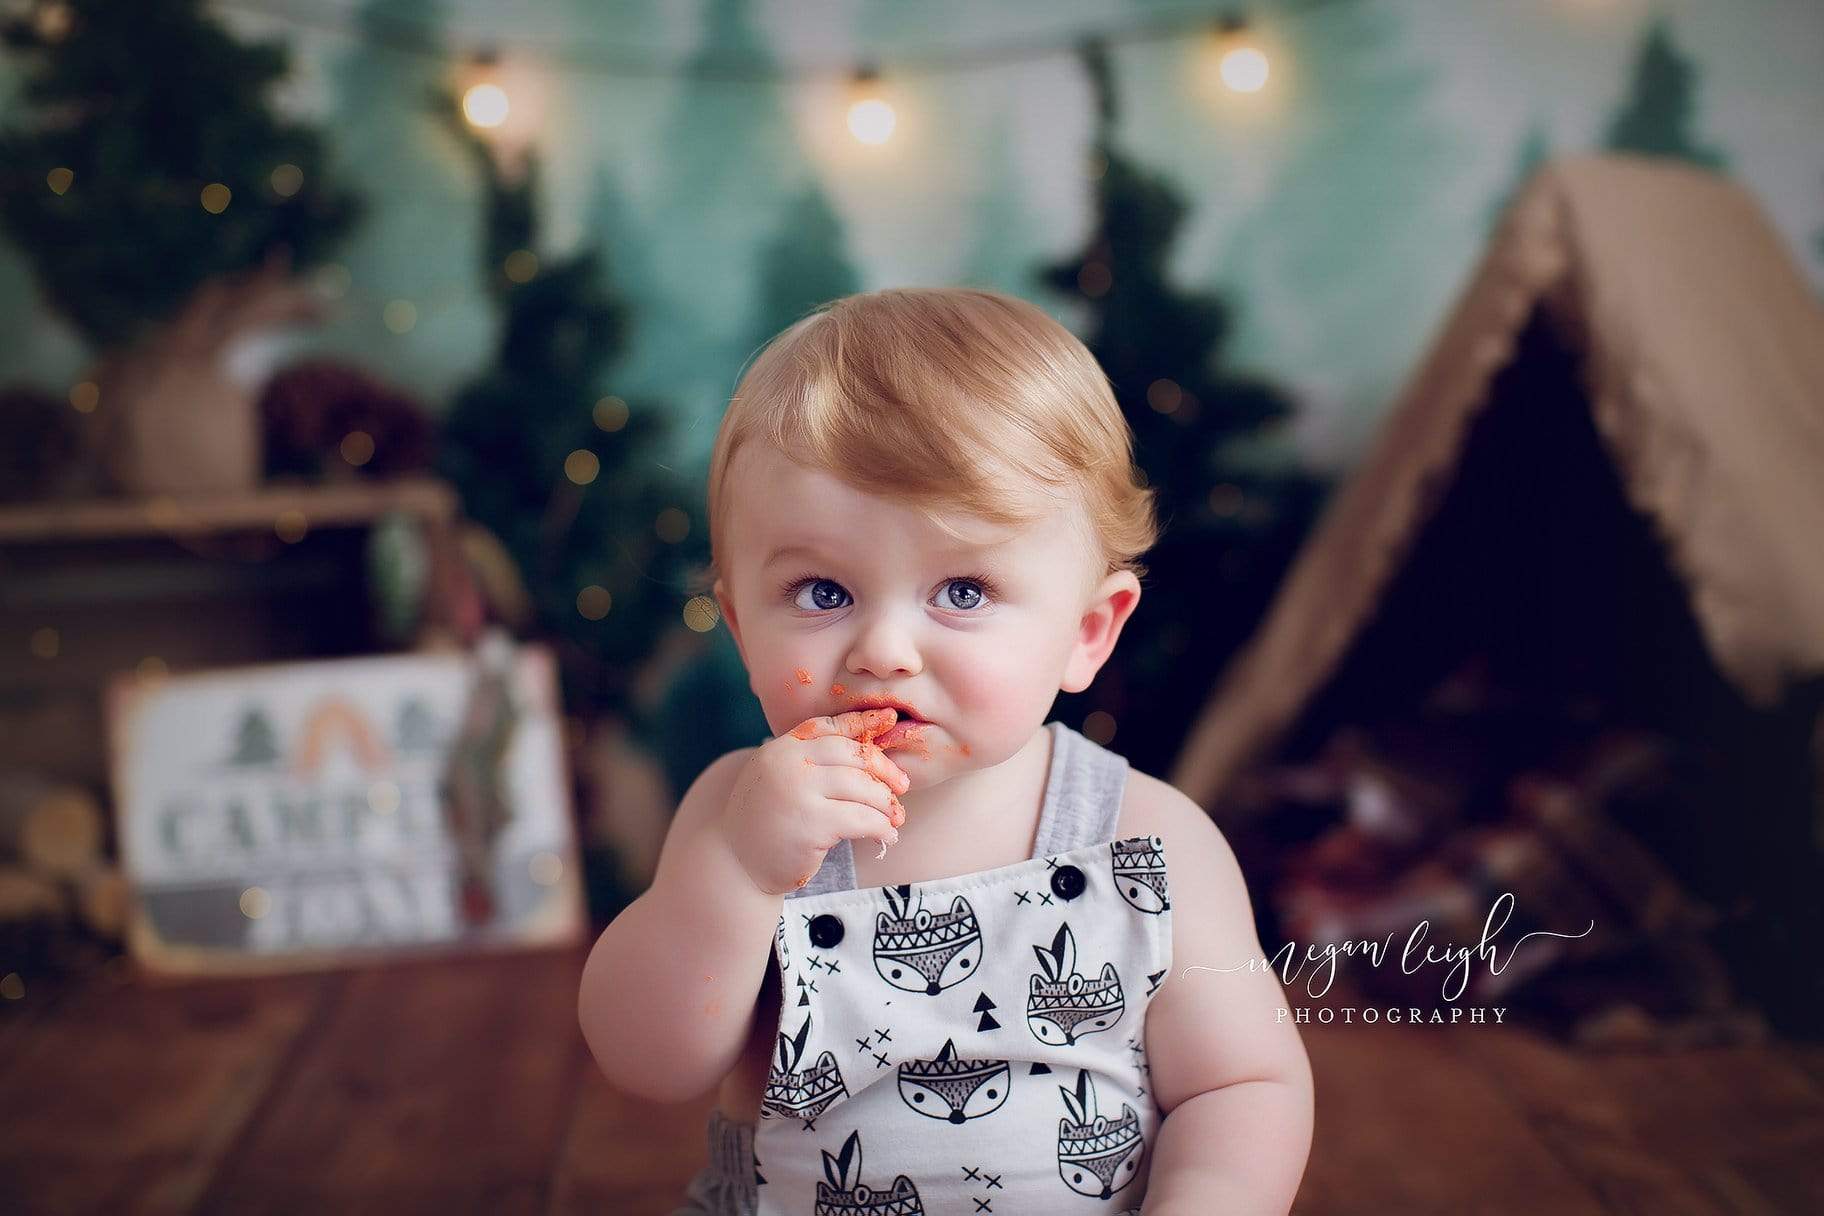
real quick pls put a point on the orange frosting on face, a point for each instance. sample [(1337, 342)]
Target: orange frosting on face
[(837, 690), (804, 677), (913, 740)]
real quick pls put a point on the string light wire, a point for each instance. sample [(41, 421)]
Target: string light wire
[(416, 37)]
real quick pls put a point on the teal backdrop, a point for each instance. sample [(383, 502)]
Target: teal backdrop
[(1336, 211)]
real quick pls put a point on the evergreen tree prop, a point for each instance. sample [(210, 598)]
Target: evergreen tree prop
[(802, 267), (515, 435), (1656, 116), (731, 152), (424, 232), (1228, 529), (1331, 264), (133, 115)]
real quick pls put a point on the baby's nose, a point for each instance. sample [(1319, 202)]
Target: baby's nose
[(884, 647)]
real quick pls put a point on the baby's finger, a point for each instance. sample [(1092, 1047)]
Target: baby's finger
[(855, 786), (856, 821), (881, 765), (837, 751), (853, 724)]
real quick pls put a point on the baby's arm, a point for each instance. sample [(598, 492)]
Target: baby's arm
[(668, 993), (1231, 1077)]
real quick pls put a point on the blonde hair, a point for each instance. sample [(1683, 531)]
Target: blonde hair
[(948, 399)]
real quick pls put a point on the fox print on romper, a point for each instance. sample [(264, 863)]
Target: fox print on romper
[(951, 1089), (1097, 1157), (919, 952), (1063, 1006), (1138, 866), (844, 1194), (804, 1094)]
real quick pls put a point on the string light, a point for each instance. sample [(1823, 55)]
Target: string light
[(1241, 65), (672, 526), (1099, 726), (593, 602), (59, 179), (610, 413), (484, 103), (521, 266), (700, 614), (291, 526), (582, 466), (871, 118), (571, 54), (357, 448), (400, 316)]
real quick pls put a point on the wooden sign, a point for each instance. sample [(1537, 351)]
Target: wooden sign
[(314, 814)]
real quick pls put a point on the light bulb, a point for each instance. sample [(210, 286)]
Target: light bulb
[(485, 105), (871, 120), (1244, 69)]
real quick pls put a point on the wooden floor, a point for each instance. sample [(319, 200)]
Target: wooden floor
[(464, 1086)]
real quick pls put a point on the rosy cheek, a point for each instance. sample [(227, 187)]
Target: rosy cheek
[(997, 692)]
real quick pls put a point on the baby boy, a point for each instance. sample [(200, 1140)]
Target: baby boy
[(925, 524)]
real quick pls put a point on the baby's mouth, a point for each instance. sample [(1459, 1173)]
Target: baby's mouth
[(907, 726), (902, 732)]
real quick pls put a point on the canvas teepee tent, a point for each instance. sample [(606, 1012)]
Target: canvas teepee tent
[(1696, 352)]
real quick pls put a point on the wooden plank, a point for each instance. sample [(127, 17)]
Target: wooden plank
[(626, 1155), (127, 1097), (1588, 1123), (322, 505), (1404, 1124), (41, 997), (439, 1085), (1745, 1123)]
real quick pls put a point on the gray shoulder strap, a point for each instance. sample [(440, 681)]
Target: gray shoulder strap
[(1082, 793)]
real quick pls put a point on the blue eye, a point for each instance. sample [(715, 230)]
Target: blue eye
[(824, 594), (963, 593)]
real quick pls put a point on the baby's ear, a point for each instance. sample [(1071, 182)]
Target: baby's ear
[(727, 609), (1112, 602)]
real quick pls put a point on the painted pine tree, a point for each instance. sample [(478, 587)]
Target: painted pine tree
[(1337, 264), (424, 232), (803, 265), (1230, 524), (731, 159), (1656, 116)]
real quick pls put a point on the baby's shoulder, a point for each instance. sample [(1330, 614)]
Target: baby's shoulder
[(1151, 807), (717, 781), (704, 800), (1197, 856)]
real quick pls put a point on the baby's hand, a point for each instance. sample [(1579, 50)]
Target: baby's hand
[(800, 793)]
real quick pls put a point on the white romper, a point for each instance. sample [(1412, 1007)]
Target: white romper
[(970, 1044)]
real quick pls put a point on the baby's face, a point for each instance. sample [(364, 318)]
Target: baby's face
[(835, 596)]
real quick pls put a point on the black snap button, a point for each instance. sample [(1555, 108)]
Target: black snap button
[(826, 931), (1067, 881)]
